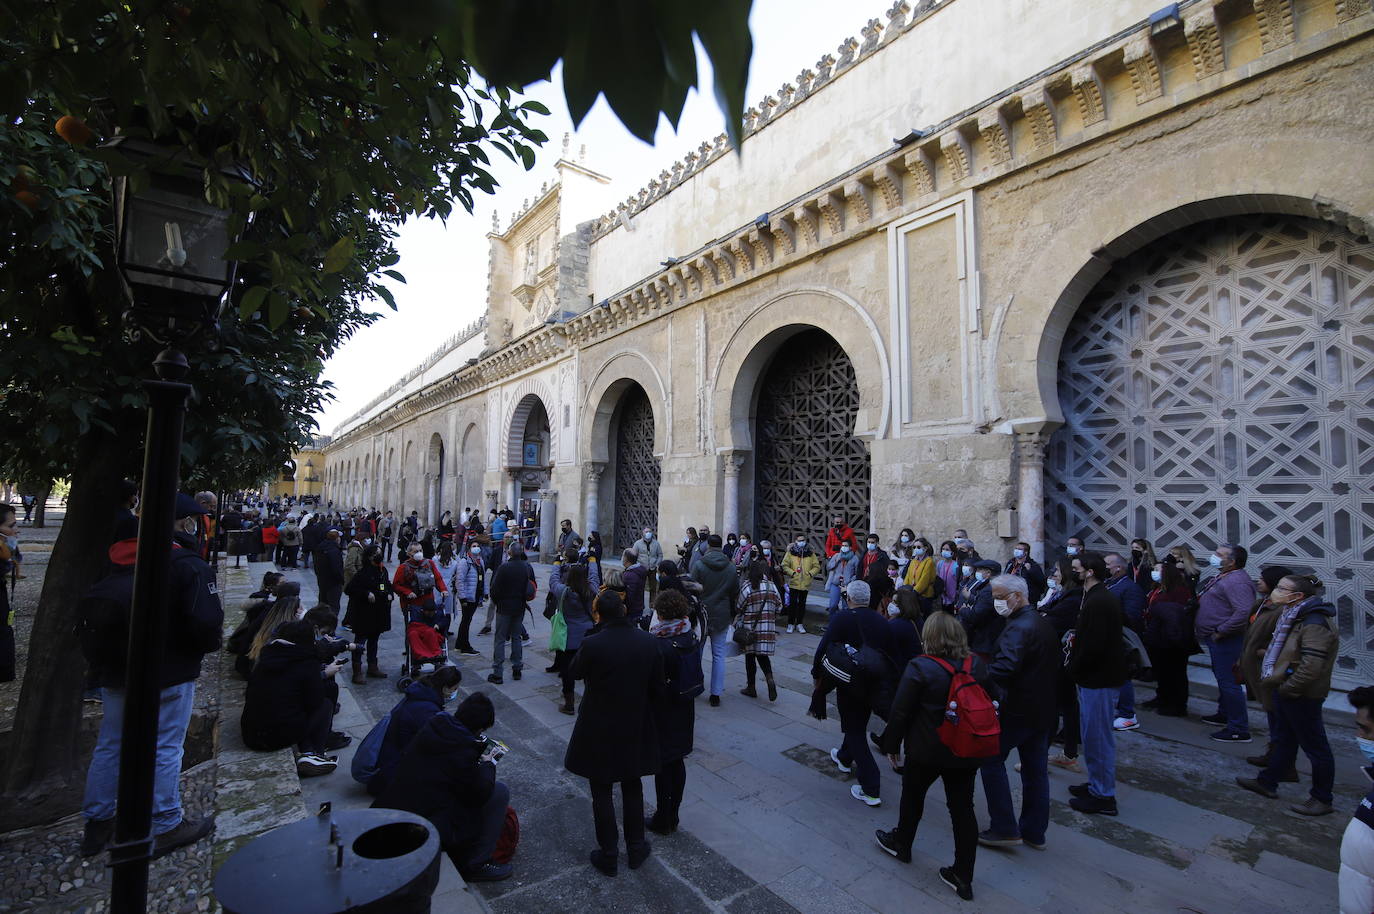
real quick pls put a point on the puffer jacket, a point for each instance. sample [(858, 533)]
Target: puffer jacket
[(800, 569), (1303, 669)]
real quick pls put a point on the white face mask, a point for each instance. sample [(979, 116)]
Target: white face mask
[(452, 695), (1366, 748), (984, 575), (768, 552), (1157, 576), (872, 547), (367, 542), (1019, 553), (801, 544), (1214, 560), (845, 549), (1072, 550), (967, 570), (893, 611), (905, 538), (1002, 607), (648, 536), (476, 550), (919, 550)]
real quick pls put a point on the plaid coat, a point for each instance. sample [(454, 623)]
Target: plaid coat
[(759, 611)]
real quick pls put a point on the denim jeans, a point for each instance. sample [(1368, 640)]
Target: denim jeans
[(1033, 748), (854, 751), (1125, 700), (507, 629), (102, 778), (1095, 707), (1298, 725), (1231, 701), (834, 591), (719, 641)]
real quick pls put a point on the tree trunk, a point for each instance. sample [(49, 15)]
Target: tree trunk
[(40, 508), (43, 767)]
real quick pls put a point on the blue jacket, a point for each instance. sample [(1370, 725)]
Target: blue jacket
[(1132, 601), (856, 627), (468, 579), (577, 616), (407, 719)]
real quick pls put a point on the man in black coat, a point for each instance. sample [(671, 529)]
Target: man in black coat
[(615, 738), (512, 587), (975, 609), (1025, 667), (195, 619), (1097, 663), (329, 569), (448, 775), (1023, 565)]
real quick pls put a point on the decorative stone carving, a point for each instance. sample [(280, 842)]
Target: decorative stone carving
[(888, 180), (804, 80), (859, 199), (992, 125), (762, 244), (1143, 64), (896, 18), (593, 469), (823, 68), (958, 158), (1204, 43), (873, 34), (922, 170), (1275, 20), (847, 51), (1087, 88), (806, 218), (785, 230), (831, 206), (1349, 9)]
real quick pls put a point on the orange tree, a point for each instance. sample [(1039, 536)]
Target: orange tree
[(351, 115)]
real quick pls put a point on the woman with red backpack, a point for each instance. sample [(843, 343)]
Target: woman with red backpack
[(943, 742)]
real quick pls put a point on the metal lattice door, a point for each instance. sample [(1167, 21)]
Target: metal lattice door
[(636, 470), (808, 462), (1218, 386)]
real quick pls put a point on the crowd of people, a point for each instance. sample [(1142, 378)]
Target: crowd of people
[(963, 660)]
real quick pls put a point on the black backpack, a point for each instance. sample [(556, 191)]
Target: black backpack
[(691, 681), (102, 621)]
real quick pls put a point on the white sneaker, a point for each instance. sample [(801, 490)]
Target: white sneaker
[(790, 629), (1125, 723), (857, 793), (835, 757)]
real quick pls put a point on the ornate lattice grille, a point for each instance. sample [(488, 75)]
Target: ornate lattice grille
[(1219, 386), (636, 470), (808, 462)]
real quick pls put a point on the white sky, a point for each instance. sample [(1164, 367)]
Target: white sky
[(446, 266)]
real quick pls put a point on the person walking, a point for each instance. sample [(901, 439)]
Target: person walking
[(512, 587), (1296, 669), (615, 739), (918, 710), (759, 606), (569, 588), (1224, 604), (1025, 668), (719, 591), (678, 636), (1097, 662), (195, 620), (799, 567), (370, 593)]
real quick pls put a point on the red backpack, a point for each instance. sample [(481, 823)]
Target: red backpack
[(510, 838), (970, 728)]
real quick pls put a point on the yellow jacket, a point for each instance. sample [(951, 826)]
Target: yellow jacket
[(920, 576), (800, 569)]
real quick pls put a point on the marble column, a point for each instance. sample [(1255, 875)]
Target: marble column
[(733, 462), (592, 472), (513, 498), (548, 523), (1030, 502)]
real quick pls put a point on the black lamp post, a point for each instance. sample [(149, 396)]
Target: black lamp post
[(170, 249)]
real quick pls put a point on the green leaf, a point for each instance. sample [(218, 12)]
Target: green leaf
[(394, 275), (251, 301), (339, 256), (386, 295)]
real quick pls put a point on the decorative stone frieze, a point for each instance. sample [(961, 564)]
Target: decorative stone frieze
[(1204, 41), (922, 170), (1142, 62), (992, 125), (1087, 89), (1349, 9), (958, 158), (1275, 20)]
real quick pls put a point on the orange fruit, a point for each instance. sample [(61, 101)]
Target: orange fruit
[(74, 130)]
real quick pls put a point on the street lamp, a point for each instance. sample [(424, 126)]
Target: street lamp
[(170, 249)]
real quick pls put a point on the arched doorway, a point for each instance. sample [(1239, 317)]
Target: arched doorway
[(434, 478), (637, 471), (807, 462), (1217, 387), (529, 454)]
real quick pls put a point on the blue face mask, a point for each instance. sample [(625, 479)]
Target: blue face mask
[(1366, 748), (946, 553)]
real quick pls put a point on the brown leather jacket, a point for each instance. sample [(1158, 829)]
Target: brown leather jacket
[(1257, 638), (1303, 669)]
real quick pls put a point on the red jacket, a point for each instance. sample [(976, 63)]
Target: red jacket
[(269, 535), (405, 578), (833, 539)]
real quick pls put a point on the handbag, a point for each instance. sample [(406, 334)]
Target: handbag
[(744, 635), (558, 630), (841, 663)]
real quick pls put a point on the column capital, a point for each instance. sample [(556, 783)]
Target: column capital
[(491, 493), (733, 461), (593, 469), (548, 494)]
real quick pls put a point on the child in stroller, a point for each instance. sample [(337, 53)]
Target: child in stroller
[(424, 643)]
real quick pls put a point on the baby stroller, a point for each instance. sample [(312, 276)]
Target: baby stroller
[(424, 644)]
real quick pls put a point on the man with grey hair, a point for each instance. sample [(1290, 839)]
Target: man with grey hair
[(1025, 664), (855, 626)]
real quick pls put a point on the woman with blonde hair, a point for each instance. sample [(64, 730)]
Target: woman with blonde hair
[(287, 609), (1142, 564), (1183, 557), (917, 711)]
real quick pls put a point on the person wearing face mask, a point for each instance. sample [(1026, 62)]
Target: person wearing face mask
[(947, 570), (423, 698), (976, 611), (329, 571), (1296, 674), (1026, 668), (967, 554), (839, 534), (901, 550), (904, 619), (1168, 636), (873, 556), (1061, 611), (469, 586), (1143, 562), (1224, 604), (1257, 637), (650, 552), (1074, 546), (1024, 566), (195, 620), (1097, 661), (1356, 880), (744, 553), (920, 575), (840, 569), (369, 611), (799, 567)]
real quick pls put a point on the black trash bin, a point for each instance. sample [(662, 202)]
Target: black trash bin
[(367, 861)]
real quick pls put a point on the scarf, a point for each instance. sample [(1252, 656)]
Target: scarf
[(948, 571), (670, 628), (1285, 625)]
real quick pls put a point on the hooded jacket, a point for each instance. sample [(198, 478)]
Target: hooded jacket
[(442, 777), (1304, 665), (283, 690), (719, 588), (408, 718)]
